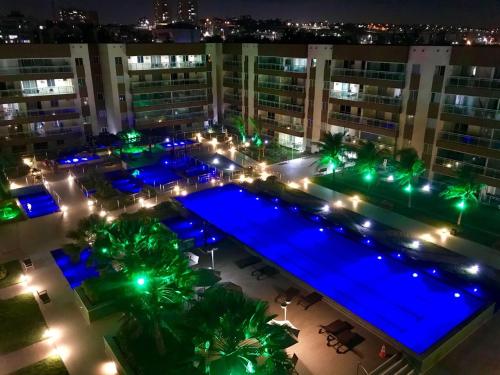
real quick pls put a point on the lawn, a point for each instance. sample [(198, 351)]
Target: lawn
[(21, 323), (479, 223), (13, 272), (49, 366)]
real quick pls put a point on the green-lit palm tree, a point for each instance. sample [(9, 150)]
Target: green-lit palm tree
[(369, 159), (409, 169), (332, 151), (85, 234), (239, 124), (257, 134), (467, 189), (232, 335)]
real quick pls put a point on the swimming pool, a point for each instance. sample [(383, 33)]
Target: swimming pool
[(411, 306), (124, 182), (75, 160), (156, 174), (38, 202), (179, 143), (74, 272), (193, 227)]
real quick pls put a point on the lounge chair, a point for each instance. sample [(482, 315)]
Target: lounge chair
[(287, 295), (264, 272), (346, 341), (309, 300), (44, 296), (248, 261), (27, 263), (335, 327)]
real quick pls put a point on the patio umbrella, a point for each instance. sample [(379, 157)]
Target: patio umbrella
[(207, 277), (292, 336)]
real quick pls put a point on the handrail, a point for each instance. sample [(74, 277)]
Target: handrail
[(361, 367)]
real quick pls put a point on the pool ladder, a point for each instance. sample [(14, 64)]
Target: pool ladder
[(394, 365)]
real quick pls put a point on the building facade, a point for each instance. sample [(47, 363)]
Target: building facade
[(161, 12), (187, 11), (443, 101)]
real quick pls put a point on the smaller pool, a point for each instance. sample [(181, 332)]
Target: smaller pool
[(124, 182), (38, 203), (179, 143), (75, 160), (157, 174), (74, 272), (192, 227)]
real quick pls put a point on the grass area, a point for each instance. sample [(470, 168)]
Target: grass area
[(10, 212), (49, 366), (479, 223), (12, 273), (273, 153), (21, 323)]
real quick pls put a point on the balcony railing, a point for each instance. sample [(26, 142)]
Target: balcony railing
[(280, 86), (236, 63), (174, 100), (45, 132), (474, 82), (490, 114), (230, 113), (456, 165), (11, 115), (232, 98), (167, 83), (169, 65), (285, 106), (366, 121), (282, 67), (60, 90), (373, 74), (13, 70), (232, 80), (470, 140), (160, 115), (362, 97), (282, 124)]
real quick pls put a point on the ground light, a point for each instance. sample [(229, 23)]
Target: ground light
[(473, 270), (367, 224), (426, 188)]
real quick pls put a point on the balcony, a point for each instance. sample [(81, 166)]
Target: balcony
[(34, 114), (481, 113), (367, 124), (376, 77), (231, 98), (43, 91), (230, 113), (20, 70), (167, 84), (280, 86), (282, 67), (450, 167), (169, 65), (294, 108), (232, 81), (282, 126), (367, 98), (231, 65), (160, 115), (485, 147), (72, 130), (474, 82), (169, 101)]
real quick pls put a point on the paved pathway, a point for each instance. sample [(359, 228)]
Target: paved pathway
[(26, 356)]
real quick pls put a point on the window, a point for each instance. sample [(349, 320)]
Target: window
[(435, 97), (100, 96), (121, 98), (118, 60), (415, 69), (102, 114), (440, 70), (79, 61), (81, 83), (60, 142), (54, 103), (140, 59), (313, 62), (51, 82)]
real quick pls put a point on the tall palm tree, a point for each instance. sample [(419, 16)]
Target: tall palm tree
[(465, 190), (239, 123), (409, 169), (85, 234), (369, 159), (332, 151), (232, 335), (257, 133)]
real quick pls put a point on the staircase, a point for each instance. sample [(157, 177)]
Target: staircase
[(395, 365)]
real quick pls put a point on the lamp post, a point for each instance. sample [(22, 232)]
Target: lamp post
[(284, 306), (212, 256)]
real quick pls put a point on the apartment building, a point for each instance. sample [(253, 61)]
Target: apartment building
[(444, 101), (44, 97)]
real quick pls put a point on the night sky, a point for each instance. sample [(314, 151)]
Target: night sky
[(455, 12)]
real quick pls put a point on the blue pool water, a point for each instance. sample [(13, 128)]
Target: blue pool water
[(157, 174), (74, 272), (75, 160), (409, 305), (38, 203), (124, 182), (192, 227), (179, 143)]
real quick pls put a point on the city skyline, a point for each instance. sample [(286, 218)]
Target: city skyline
[(385, 11)]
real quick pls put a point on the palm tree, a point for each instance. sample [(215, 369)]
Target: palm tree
[(410, 167), (232, 335), (369, 159), (85, 234), (257, 131), (239, 123), (465, 190), (332, 151)]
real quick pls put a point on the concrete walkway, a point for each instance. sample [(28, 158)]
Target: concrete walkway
[(26, 356)]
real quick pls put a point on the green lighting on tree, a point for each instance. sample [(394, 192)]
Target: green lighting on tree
[(141, 281), (368, 176), (104, 250), (461, 205), (408, 188)]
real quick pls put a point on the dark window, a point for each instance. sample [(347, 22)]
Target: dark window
[(100, 96), (118, 60), (54, 103), (60, 142), (122, 98), (415, 69), (81, 83), (79, 61), (41, 146)]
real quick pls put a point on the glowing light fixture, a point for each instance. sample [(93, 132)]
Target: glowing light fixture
[(367, 224), (414, 274), (473, 270), (426, 188), (390, 178)]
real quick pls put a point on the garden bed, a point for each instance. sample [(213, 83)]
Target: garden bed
[(49, 366), (10, 212), (13, 272)]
